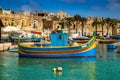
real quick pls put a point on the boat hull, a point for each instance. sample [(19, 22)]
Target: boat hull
[(90, 53)]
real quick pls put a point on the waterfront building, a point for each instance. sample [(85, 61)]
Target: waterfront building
[(39, 20), (0, 10), (116, 30), (62, 15), (26, 13), (23, 20), (7, 11), (90, 28), (42, 14)]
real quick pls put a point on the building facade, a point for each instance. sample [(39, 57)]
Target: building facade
[(116, 30), (21, 21), (45, 20), (62, 15)]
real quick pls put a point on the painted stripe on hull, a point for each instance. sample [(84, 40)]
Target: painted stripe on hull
[(58, 52)]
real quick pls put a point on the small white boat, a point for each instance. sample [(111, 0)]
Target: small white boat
[(13, 49)]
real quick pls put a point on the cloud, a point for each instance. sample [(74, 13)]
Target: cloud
[(26, 8), (114, 1), (34, 4), (73, 1), (110, 5), (113, 5), (97, 8)]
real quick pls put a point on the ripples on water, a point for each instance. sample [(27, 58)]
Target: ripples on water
[(106, 66)]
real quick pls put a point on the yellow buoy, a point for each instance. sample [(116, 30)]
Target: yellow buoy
[(54, 70)]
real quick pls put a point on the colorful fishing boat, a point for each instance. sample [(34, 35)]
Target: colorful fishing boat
[(58, 47)]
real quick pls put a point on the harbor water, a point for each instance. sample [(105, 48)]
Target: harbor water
[(106, 66)]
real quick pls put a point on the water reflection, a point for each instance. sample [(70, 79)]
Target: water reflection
[(103, 52), (111, 50), (8, 66), (45, 61), (71, 67)]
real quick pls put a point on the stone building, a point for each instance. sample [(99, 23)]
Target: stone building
[(46, 20), (39, 21), (21, 21), (50, 24), (42, 14), (26, 13), (0, 10), (62, 15), (116, 30), (6, 11), (1, 24), (89, 28)]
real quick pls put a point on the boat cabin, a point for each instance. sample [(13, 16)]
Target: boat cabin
[(59, 39)]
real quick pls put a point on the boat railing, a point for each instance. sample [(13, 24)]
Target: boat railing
[(90, 42)]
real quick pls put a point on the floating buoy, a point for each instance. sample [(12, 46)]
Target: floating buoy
[(54, 70), (59, 69)]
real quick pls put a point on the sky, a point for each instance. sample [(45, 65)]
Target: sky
[(85, 8)]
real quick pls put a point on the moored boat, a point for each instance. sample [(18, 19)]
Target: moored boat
[(59, 47), (108, 41), (80, 41)]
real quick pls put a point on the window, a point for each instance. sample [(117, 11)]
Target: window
[(57, 26), (5, 19), (12, 24), (29, 24), (23, 23), (17, 23), (74, 26), (60, 37), (5, 23), (34, 24)]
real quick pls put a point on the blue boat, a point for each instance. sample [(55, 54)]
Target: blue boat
[(111, 46), (59, 47)]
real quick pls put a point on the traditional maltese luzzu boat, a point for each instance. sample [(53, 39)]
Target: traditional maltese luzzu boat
[(59, 46)]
